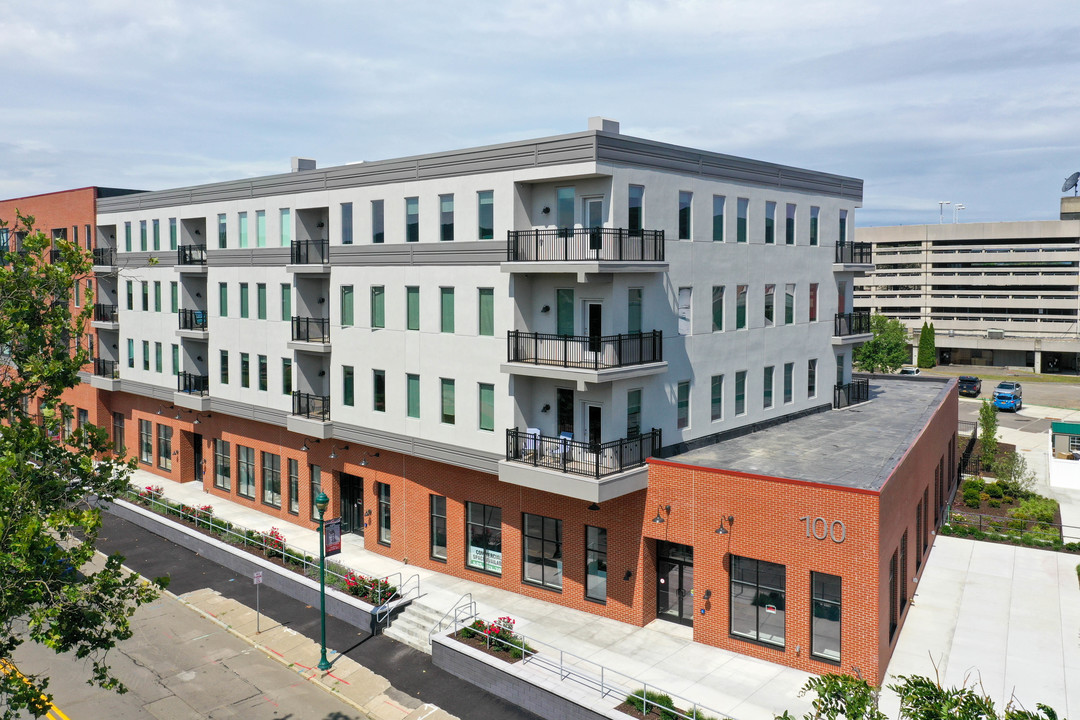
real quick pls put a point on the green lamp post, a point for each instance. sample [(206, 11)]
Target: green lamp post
[(321, 503)]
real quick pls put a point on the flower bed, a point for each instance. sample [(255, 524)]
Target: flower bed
[(497, 639), (373, 590)]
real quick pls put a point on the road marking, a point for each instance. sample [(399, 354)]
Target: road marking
[(8, 668)]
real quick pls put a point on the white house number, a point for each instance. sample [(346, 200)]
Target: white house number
[(820, 529)]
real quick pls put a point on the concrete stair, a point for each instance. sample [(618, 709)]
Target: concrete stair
[(412, 625)]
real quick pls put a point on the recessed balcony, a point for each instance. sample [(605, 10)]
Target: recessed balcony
[(192, 391), (309, 256), (104, 259), (852, 328), (106, 317), (584, 358), (193, 324), (584, 250), (310, 334), (106, 375), (854, 257), (191, 258)]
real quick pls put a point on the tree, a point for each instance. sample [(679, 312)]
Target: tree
[(927, 353), (49, 592), (887, 350), (988, 425)]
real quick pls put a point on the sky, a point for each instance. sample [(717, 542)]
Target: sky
[(926, 100)]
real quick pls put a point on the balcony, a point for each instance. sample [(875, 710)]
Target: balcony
[(192, 391), (852, 393), (851, 328), (104, 259), (191, 258), (106, 317), (594, 249), (857, 254), (588, 358), (313, 407), (193, 321), (310, 334), (309, 256), (574, 468), (106, 368)]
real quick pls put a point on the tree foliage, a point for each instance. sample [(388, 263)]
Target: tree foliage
[(49, 592), (927, 356), (988, 426), (887, 351)]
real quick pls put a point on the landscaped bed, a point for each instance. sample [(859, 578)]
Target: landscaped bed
[(1005, 512)]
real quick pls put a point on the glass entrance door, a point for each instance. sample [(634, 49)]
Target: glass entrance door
[(352, 504), (593, 319), (675, 582), (196, 441)]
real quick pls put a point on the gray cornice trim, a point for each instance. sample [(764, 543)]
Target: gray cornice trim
[(147, 390), (247, 257), (484, 252), (139, 260)]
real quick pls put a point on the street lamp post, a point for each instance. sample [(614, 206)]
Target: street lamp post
[(956, 211), (941, 210), (321, 503)]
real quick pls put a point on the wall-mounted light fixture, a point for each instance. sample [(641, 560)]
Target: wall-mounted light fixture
[(197, 231), (546, 408), (545, 211), (725, 530), (363, 461), (198, 294), (629, 574), (594, 507), (197, 421), (304, 447), (162, 408), (322, 373), (545, 309), (199, 358), (333, 450), (322, 300), (320, 224), (708, 594), (660, 517)]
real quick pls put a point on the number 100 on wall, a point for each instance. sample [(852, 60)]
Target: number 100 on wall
[(819, 529)]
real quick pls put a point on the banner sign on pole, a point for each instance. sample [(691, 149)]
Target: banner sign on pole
[(333, 536)]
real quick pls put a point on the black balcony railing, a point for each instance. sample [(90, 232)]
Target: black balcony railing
[(107, 368), (310, 252), (316, 407), (595, 460), (855, 253), (191, 255), (193, 319), (593, 352), (105, 313), (192, 383), (570, 244), (852, 393), (316, 330), (104, 256), (852, 323)]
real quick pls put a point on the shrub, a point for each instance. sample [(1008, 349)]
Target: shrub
[(994, 502), (983, 497), (1036, 508), (1008, 499), (994, 491), (971, 498), (659, 703), (976, 483), (274, 542)]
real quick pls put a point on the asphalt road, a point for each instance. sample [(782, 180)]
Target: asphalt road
[(409, 671)]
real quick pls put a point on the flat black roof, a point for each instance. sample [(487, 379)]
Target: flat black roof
[(856, 447)]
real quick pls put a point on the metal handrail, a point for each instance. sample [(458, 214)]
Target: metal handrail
[(191, 255), (852, 323), (308, 329), (437, 627), (302, 252), (576, 457), (105, 256), (193, 319), (387, 606), (104, 312), (852, 393), (311, 406), (855, 253), (585, 351), (192, 383), (106, 368), (575, 244)]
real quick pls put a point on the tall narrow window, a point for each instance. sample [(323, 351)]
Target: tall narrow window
[(770, 305), (542, 551), (770, 223), (486, 312), (633, 310), (892, 596), (271, 479), (718, 202), (633, 413), (146, 296), (294, 486), (412, 308), (635, 209), (245, 471), (378, 306), (142, 235), (918, 535), (260, 228), (789, 304), (175, 359), (245, 370), (157, 295), (446, 310), (437, 504), (146, 442), (285, 227), (740, 307), (767, 389), (903, 570), (146, 355), (174, 297), (223, 367), (447, 400), (564, 311), (378, 390), (412, 219), (348, 385), (564, 207), (789, 225), (172, 233), (595, 563), (814, 212), (717, 308), (446, 217), (242, 228), (789, 382), (743, 209), (378, 226), (758, 600), (286, 376), (412, 395), (264, 379), (812, 305), (842, 237), (686, 200), (223, 299), (119, 443), (346, 223), (485, 215), (682, 393), (222, 231), (382, 490), (487, 406), (717, 398), (260, 301), (346, 305), (483, 535), (685, 295), (825, 616), (127, 237), (244, 308), (164, 447), (740, 392), (222, 465), (130, 295)]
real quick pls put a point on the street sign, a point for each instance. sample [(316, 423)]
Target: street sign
[(258, 577)]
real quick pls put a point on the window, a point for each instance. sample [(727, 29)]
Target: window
[(717, 398), (145, 296), (224, 366), (146, 355), (842, 238), (378, 227), (164, 447), (130, 295), (633, 413), (483, 533), (382, 490), (157, 295), (635, 218), (814, 211), (378, 306), (903, 570), (271, 479), (146, 442), (244, 308), (825, 616), (346, 305), (683, 404), (813, 302), (595, 563), (286, 301), (918, 535), (285, 229), (260, 301), (174, 297), (634, 297), (789, 225), (767, 391), (758, 600), (142, 235), (127, 237), (447, 397), (347, 385), (245, 370), (740, 307), (740, 392), (222, 465), (157, 357), (718, 203), (437, 505), (412, 395), (294, 487), (685, 295), (487, 406), (789, 382), (770, 223), (222, 231), (286, 376), (770, 305), (175, 359), (260, 228), (741, 219), (892, 596), (564, 311), (118, 433), (686, 200), (264, 380), (564, 410), (412, 219), (564, 207), (223, 299), (243, 228), (378, 390), (446, 310), (245, 471), (486, 312), (925, 519), (412, 308), (314, 488), (717, 308), (346, 223), (542, 551), (485, 214), (446, 217), (789, 304)]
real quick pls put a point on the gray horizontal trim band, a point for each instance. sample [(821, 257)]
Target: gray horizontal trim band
[(134, 260), (147, 390), (246, 257), (484, 252)]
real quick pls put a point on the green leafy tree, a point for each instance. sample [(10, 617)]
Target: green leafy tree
[(927, 353), (50, 592), (988, 426), (887, 350)]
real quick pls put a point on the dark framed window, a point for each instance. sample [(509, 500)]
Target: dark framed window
[(542, 551), (483, 537), (245, 471), (222, 231), (382, 490), (438, 527), (164, 447), (770, 305), (118, 434), (743, 212), (686, 200), (789, 225), (264, 373), (486, 400), (447, 400), (758, 600), (244, 308), (378, 225), (223, 365), (682, 405), (789, 304), (770, 222), (486, 311), (740, 307), (412, 219), (814, 212), (718, 203), (378, 306), (271, 479), (412, 308), (635, 209), (146, 442), (740, 392), (903, 570), (718, 308), (346, 308), (825, 616), (412, 395), (767, 387), (446, 217), (789, 382), (633, 413), (716, 397), (286, 376), (260, 301), (892, 596), (446, 309), (378, 390), (634, 299), (918, 535), (346, 223), (294, 486), (245, 370), (485, 214), (348, 385), (596, 564), (222, 465), (286, 301), (564, 410)]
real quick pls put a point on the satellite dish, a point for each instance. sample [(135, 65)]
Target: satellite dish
[(1070, 183)]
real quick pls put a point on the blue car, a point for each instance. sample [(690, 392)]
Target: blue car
[(1009, 396)]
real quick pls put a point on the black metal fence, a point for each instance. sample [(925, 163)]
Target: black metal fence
[(855, 253), (305, 329), (193, 319), (105, 313), (191, 255), (595, 460), (852, 323), (852, 393), (104, 256), (584, 351), (310, 252), (107, 368), (570, 244), (316, 407), (192, 384)]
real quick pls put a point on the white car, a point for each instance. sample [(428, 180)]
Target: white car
[(908, 370)]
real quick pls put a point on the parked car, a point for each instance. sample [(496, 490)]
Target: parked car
[(970, 386), (1009, 396), (908, 370)]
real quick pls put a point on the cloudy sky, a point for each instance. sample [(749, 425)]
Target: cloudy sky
[(926, 100)]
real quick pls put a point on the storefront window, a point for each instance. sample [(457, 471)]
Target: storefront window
[(484, 537), (542, 551), (758, 600), (825, 632)]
